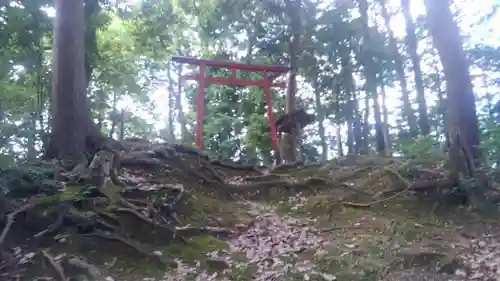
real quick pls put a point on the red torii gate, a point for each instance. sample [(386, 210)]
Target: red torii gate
[(233, 80)]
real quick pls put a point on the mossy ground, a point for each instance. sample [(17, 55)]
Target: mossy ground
[(365, 240)]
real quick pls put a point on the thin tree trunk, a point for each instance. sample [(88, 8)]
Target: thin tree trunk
[(442, 108), (178, 105), (358, 131), (352, 101), (122, 125), (411, 39), (336, 94), (385, 116), (366, 125), (320, 117), (350, 137), (114, 117), (31, 153), (379, 127), (408, 111), (371, 81), (170, 118), (340, 146)]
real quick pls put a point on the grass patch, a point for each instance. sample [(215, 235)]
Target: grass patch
[(242, 272), (196, 248), (205, 209)]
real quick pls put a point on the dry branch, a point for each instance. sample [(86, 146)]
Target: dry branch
[(11, 217), (55, 264)]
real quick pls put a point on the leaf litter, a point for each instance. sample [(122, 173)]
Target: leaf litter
[(272, 244)]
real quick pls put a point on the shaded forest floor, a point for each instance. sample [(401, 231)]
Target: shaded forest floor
[(175, 215)]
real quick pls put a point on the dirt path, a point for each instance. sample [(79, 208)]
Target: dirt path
[(272, 247)]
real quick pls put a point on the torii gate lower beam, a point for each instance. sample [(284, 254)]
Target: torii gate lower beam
[(233, 80)]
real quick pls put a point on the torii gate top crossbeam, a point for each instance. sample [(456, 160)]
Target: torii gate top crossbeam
[(231, 65)]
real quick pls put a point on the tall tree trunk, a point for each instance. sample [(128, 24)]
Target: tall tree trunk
[(114, 116), (411, 40), (385, 116), (293, 12), (71, 118), (366, 125), (358, 130), (320, 117), (171, 100), (442, 108), (181, 118), (408, 111), (340, 146), (379, 126), (463, 126), (350, 137), (338, 118), (371, 81), (122, 125), (31, 143), (352, 102)]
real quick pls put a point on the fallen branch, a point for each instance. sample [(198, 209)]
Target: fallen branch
[(53, 227), (194, 231), (57, 267)]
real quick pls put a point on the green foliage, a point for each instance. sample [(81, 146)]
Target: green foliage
[(490, 142), (421, 148)]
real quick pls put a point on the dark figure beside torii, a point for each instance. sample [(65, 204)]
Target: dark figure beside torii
[(289, 123)]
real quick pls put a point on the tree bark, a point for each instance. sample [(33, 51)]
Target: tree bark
[(320, 117), (121, 137), (366, 125), (178, 105), (338, 118), (293, 12), (91, 9), (350, 137), (408, 111), (171, 100), (442, 108), (114, 116), (357, 127), (71, 118), (354, 120), (385, 116), (460, 99), (411, 40), (371, 82)]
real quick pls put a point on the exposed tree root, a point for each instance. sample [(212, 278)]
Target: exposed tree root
[(53, 227), (55, 265), (188, 231), (366, 205), (82, 266), (130, 244), (11, 217), (106, 204)]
